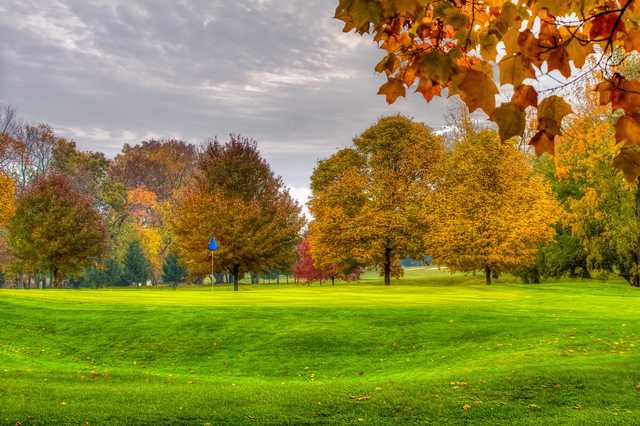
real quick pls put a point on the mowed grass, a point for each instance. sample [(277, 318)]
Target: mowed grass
[(431, 348)]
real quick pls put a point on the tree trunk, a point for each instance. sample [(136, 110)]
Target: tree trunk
[(635, 277), (236, 278), (387, 266), (333, 280), (487, 274)]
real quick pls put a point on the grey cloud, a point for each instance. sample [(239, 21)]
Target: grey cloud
[(110, 72)]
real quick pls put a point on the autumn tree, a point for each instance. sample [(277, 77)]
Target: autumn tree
[(7, 210), (56, 229), (600, 206), (304, 268), (366, 198), (160, 166), (235, 197), (489, 210)]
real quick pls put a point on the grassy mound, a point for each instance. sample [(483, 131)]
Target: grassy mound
[(430, 348)]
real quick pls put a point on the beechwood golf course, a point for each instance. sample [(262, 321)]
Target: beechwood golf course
[(319, 212), (432, 348)]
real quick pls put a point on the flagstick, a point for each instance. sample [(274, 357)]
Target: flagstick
[(212, 271)]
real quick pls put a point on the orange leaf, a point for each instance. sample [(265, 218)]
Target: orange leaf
[(392, 89), (628, 161), (628, 130), (602, 26), (524, 96), (427, 89), (542, 142)]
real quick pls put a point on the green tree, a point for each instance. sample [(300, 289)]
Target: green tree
[(366, 198), (173, 271), (136, 266), (56, 229)]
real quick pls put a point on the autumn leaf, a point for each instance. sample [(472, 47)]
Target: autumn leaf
[(510, 120), (359, 397), (466, 408), (524, 96), (428, 89), (392, 89), (578, 51), (603, 25), (559, 60), (628, 130), (628, 161), (515, 69), (551, 111), (542, 142), (478, 90), (530, 47)]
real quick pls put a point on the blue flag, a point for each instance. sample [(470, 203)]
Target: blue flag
[(213, 244)]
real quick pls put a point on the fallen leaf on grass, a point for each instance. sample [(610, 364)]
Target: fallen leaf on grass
[(359, 398), (557, 386), (466, 408), (534, 407)]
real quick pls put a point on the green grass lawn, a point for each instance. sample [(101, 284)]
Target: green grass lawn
[(432, 348)]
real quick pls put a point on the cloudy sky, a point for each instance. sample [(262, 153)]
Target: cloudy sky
[(110, 72)]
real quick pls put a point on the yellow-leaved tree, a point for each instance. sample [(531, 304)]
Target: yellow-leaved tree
[(7, 209), (601, 209), (489, 210), (366, 199)]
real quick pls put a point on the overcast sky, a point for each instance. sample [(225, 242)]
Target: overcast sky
[(110, 72)]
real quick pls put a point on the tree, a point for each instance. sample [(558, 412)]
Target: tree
[(600, 206), (235, 196), (456, 45), (87, 170), (366, 199), (136, 267), (7, 210), (56, 229), (173, 271), (161, 166), (489, 210), (304, 268), (7, 199)]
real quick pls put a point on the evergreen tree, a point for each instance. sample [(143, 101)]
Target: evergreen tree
[(136, 266), (172, 270)]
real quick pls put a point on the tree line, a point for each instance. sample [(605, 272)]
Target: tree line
[(469, 200), (76, 218)]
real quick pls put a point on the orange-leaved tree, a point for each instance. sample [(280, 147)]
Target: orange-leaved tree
[(366, 198), (453, 46), (235, 197), (489, 210), (56, 229), (7, 209)]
